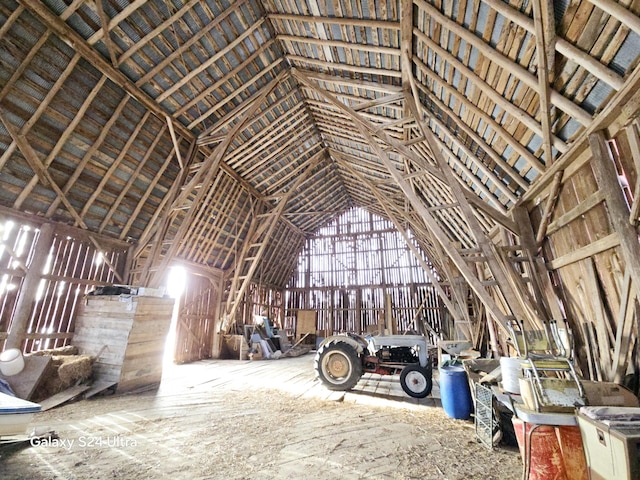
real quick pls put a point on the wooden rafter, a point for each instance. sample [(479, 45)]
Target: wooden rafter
[(36, 165), (255, 245), (63, 139), (106, 34), (543, 48), (416, 203)]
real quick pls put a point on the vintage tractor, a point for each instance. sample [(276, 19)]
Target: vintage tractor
[(342, 359)]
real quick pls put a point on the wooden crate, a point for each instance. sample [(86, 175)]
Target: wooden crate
[(128, 334)]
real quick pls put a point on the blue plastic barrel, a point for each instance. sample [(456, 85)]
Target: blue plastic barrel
[(455, 394)]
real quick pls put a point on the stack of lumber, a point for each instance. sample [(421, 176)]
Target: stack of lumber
[(126, 334)]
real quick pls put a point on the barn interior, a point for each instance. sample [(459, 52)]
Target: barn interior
[(211, 170)]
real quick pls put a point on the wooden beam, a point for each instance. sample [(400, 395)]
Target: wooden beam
[(86, 158), (174, 140), (349, 22), (339, 44), (562, 46), (634, 143), (126, 188), (106, 34), (176, 85), (107, 177), (624, 329), (119, 17), (62, 140), (576, 212), (419, 206), (206, 175), (620, 12), (176, 54), (384, 203), (544, 72), (548, 207), (516, 297), (80, 45), (245, 86), (295, 59), (36, 165), (602, 245), (204, 93), (516, 112), (518, 71), (188, 5), (499, 130), (607, 179), (27, 293)]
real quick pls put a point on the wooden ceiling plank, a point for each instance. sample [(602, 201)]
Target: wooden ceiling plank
[(23, 65), (343, 67), (106, 178), (38, 168), (513, 110), (51, 93), (618, 11), (544, 70), (479, 140), (209, 90), (62, 140), (58, 26), (491, 197), (350, 82), (143, 200), (561, 45), (236, 93), (188, 5), (505, 62), (89, 153), (133, 177), (188, 44), (210, 61), (339, 43), (356, 22), (106, 37)]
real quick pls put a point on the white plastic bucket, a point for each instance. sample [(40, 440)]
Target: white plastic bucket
[(511, 368), (11, 362)]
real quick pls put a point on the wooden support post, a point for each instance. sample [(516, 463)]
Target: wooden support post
[(27, 294), (607, 178)]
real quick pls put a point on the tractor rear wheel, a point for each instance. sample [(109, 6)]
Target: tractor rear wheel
[(416, 381), (338, 365)]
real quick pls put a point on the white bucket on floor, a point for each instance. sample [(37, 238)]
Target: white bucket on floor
[(11, 362), (511, 368)]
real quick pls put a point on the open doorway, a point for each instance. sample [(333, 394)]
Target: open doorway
[(176, 283)]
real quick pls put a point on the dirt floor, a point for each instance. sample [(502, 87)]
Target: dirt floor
[(256, 420)]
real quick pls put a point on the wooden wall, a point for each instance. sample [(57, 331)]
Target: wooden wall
[(591, 250)]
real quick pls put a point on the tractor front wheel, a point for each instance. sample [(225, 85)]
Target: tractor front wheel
[(416, 381), (338, 365)]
